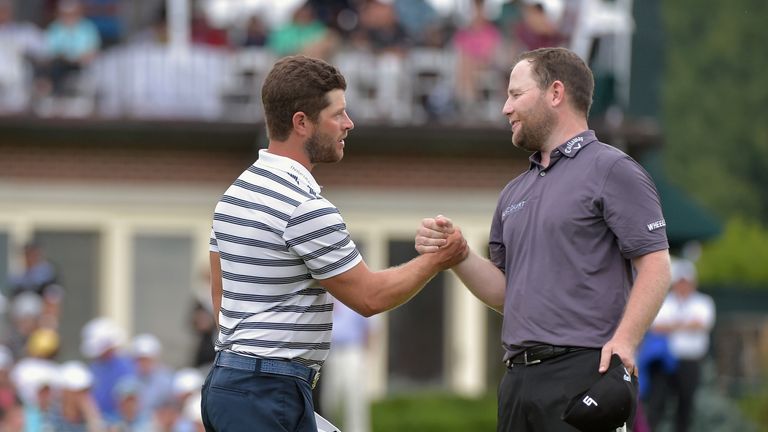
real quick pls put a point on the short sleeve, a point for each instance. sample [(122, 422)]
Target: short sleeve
[(632, 209), (318, 235), (214, 244), (496, 249)]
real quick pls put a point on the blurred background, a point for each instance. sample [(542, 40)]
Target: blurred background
[(122, 122)]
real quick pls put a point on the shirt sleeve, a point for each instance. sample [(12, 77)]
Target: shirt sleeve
[(496, 249), (632, 209), (213, 244), (318, 235)]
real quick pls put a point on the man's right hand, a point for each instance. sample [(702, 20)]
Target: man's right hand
[(439, 236), (433, 234)]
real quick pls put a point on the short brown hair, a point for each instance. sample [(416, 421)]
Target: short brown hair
[(560, 64), (297, 83)]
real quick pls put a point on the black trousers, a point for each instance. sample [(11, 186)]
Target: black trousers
[(532, 398)]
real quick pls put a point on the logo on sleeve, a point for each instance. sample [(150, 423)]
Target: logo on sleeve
[(656, 225)]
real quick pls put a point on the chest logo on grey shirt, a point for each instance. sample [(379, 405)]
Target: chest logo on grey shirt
[(573, 144), (513, 208)]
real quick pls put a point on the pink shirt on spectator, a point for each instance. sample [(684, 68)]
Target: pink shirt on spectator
[(479, 43)]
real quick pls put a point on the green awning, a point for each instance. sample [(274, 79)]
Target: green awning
[(686, 219)]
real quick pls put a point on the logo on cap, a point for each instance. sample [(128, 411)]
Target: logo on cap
[(588, 401)]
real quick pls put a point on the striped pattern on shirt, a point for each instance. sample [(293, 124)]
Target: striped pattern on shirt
[(275, 234)]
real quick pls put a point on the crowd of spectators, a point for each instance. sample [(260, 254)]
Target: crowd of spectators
[(82, 52), (117, 384)]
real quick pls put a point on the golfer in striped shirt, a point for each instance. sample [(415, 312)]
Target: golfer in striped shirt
[(279, 250)]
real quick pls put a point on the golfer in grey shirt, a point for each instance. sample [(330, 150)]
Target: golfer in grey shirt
[(579, 261)]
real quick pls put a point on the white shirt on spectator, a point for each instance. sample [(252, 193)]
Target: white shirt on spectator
[(688, 344)]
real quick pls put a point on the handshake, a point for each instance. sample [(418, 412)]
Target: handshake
[(440, 237)]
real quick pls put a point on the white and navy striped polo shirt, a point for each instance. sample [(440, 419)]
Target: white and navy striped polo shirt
[(275, 234)]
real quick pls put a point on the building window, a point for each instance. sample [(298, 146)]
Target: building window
[(416, 340), (163, 294), (76, 257)]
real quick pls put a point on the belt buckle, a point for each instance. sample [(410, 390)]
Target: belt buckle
[(315, 380), (532, 362)]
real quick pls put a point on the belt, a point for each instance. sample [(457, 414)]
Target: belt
[(268, 366), (538, 353)]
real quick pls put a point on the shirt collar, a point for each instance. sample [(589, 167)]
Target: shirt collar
[(294, 169), (568, 149), (574, 145)]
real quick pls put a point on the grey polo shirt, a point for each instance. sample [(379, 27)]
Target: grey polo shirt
[(564, 236)]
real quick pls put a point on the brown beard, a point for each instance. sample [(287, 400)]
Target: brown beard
[(321, 149), (538, 127)]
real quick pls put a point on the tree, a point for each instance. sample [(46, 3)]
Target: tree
[(715, 103)]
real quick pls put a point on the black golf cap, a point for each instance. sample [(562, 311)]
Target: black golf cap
[(607, 404)]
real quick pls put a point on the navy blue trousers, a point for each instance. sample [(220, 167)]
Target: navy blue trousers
[(237, 400)]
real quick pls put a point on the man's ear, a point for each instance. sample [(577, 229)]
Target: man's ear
[(557, 92), (301, 123)]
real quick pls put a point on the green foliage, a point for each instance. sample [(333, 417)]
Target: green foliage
[(739, 256), (715, 98), (754, 407), (435, 413)]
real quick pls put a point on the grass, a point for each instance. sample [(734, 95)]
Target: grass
[(434, 412)]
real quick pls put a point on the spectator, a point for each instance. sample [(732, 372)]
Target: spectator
[(157, 32), (25, 38), (38, 272), (21, 47), (154, 379), (540, 24), (76, 410), (187, 383), (421, 22), (344, 393), (105, 15), (205, 330), (12, 417), (339, 15), (203, 33), (130, 417), (53, 295), (26, 309), (34, 379), (256, 33), (101, 339), (477, 45), (380, 30), (167, 418), (687, 316), (304, 34), (8, 395), (43, 343), (72, 42), (192, 413)]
